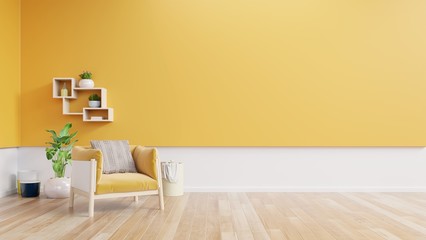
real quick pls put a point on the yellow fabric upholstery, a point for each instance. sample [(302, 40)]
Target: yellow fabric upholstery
[(132, 148), (145, 161), (125, 182), (88, 153)]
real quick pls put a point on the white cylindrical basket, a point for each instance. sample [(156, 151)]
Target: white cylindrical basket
[(173, 188)]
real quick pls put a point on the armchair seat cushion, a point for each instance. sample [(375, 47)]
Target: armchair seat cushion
[(125, 182)]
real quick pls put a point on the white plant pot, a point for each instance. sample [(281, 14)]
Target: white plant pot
[(86, 83), (57, 188), (94, 104)]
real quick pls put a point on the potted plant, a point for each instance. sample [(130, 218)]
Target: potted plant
[(59, 152), (86, 80), (94, 101)]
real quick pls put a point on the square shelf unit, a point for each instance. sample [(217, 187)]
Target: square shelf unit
[(58, 84), (98, 114), (105, 114)]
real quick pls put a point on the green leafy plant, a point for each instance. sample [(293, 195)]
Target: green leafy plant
[(94, 97), (86, 75), (59, 151)]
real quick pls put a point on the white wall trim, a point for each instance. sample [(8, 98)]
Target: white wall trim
[(8, 170), (7, 193), (300, 169), (282, 169), (305, 189)]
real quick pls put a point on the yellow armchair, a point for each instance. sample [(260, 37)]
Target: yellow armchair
[(88, 180)]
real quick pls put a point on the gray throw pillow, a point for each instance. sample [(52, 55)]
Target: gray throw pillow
[(116, 156)]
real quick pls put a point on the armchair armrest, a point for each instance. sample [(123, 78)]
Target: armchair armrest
[(146, 161), (86, 154)]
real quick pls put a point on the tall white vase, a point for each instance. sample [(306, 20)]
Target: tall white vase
[(57, 188)]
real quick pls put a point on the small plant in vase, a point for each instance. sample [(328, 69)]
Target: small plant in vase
[(86, 80), (94, 101), (59, 152)]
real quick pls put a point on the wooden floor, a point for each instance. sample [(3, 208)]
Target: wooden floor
[(221, 216)]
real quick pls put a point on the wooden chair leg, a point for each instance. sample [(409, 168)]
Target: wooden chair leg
[(71, 201), (161, 198), (91, 205), (136, 199)]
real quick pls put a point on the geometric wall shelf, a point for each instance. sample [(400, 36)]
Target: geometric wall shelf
[(72, 105), (98, 114)]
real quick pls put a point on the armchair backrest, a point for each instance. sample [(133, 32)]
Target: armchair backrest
[(145, 159)]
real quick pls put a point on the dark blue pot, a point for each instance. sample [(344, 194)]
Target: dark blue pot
[(30, 189)]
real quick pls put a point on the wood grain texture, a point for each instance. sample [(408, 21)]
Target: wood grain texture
[(255, 216)]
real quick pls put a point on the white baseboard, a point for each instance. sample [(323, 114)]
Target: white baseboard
[(305, 189), (278, 169), (7, 193), (8, 169)]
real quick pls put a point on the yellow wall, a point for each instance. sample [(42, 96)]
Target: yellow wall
[(9, 73), (232, 73)]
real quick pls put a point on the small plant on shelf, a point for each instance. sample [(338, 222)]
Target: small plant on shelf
[(94, 101), (86, 80), (86, 75), (94, 97)]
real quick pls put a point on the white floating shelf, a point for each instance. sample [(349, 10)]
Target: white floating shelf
[(98, 114), (58, 84), (102, 114)]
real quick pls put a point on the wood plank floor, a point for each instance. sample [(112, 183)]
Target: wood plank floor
[(248, 216)]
